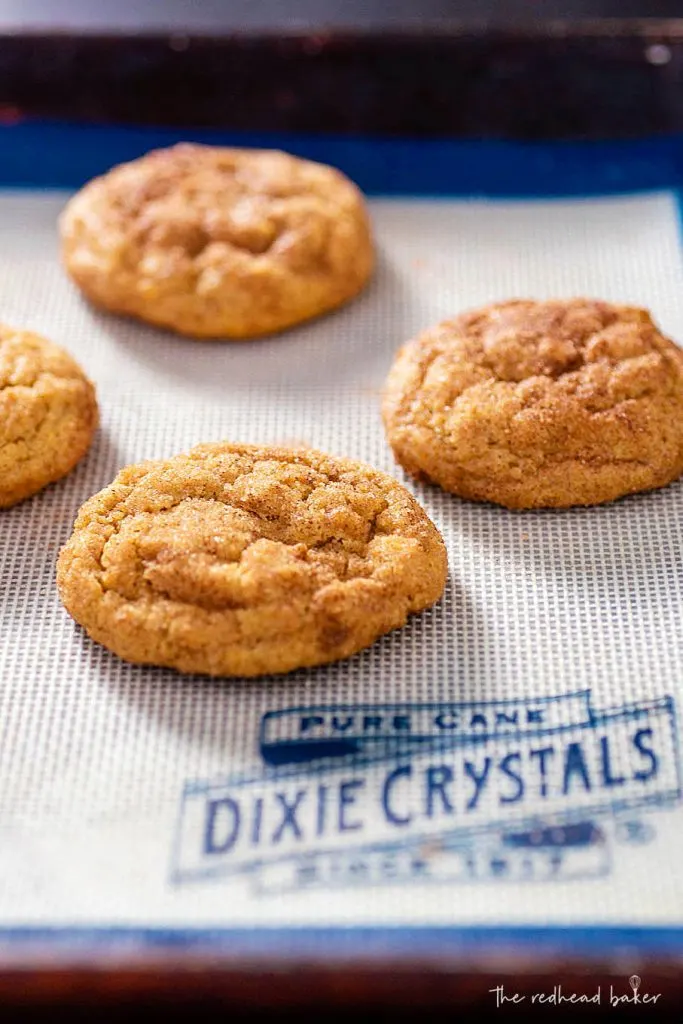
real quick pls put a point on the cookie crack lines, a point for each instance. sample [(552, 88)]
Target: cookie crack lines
[(494, 406), (210, 587), (284, 528), (285, 506), (28, 385), (34, 414)]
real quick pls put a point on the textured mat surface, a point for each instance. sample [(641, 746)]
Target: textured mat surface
[(554, 809)]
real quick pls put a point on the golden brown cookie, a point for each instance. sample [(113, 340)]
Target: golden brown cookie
[(238, 560), (218, 243), (48, 414), (539, 404)]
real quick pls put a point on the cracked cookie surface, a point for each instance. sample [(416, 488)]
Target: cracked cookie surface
[(539, 404), (239, 560), (48, 414), (214, 242)]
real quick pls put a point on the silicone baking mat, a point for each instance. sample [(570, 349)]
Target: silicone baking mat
[(509, 760)]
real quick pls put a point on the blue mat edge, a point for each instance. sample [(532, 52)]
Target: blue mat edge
[(322, 942), (64, 156)]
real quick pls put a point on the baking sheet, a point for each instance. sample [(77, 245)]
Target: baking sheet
[(129, 794)]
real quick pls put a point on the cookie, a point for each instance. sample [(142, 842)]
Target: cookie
[(48, 414), (218, 243), (237, 560), (539, 404)]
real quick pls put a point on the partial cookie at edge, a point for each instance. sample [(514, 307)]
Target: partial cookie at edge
[(48, 414)]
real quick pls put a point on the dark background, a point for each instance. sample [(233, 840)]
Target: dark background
[(494, 69), (233, 15)]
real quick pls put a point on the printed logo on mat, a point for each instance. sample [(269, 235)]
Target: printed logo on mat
[(533, 790)]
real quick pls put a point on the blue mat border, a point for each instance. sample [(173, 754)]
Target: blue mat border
[(55, 155), (384, 941)]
